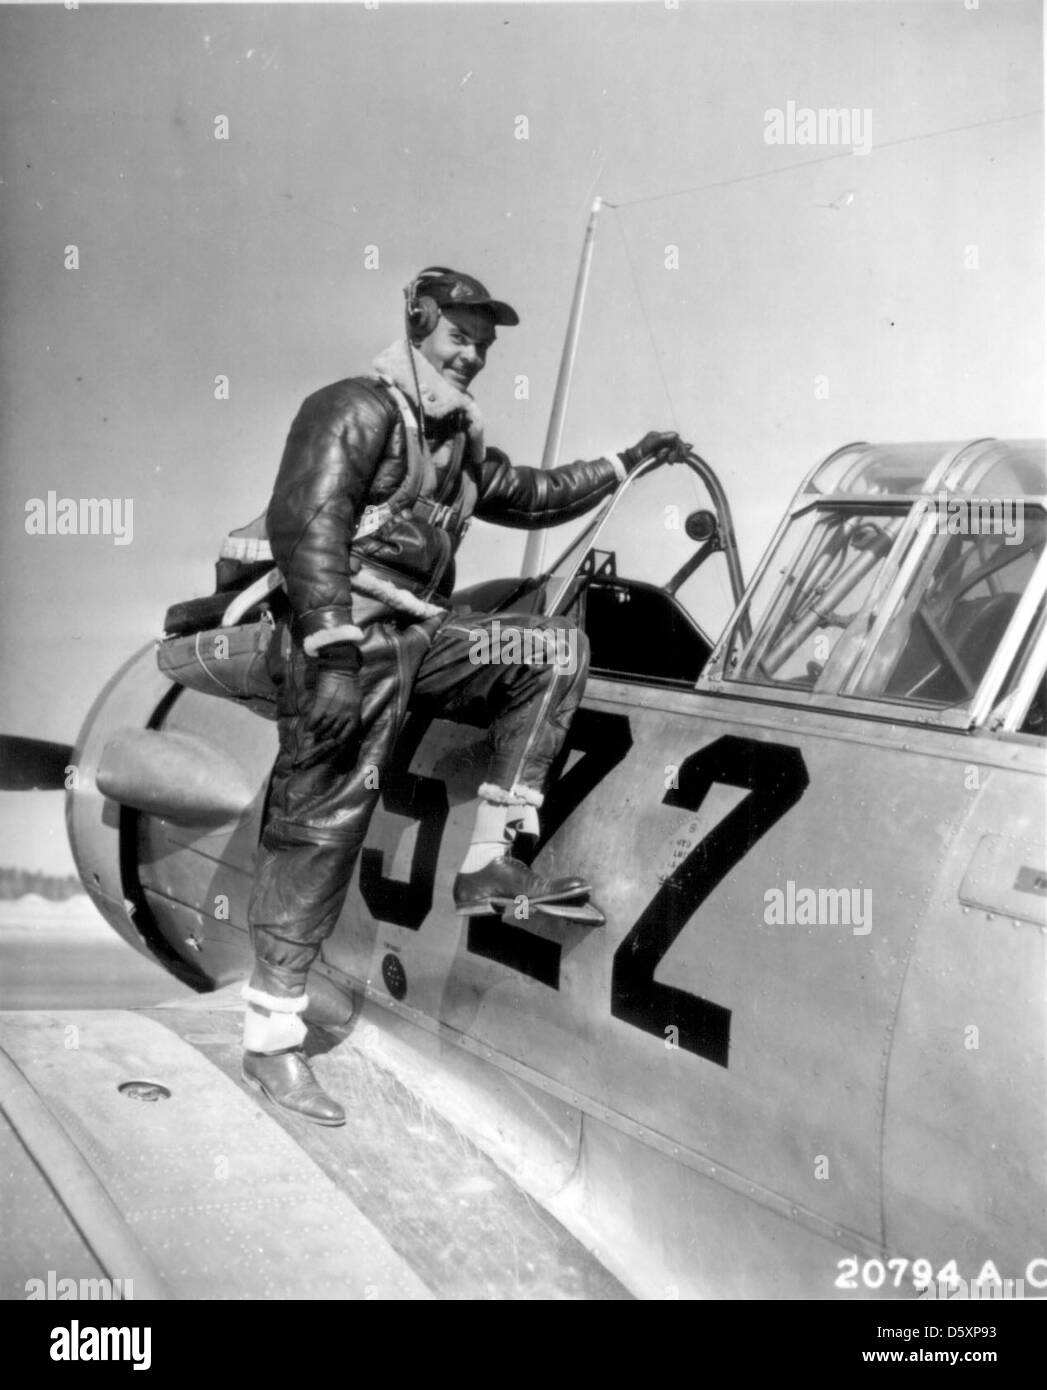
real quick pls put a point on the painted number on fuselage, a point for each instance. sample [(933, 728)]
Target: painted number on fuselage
[(423, 799), (776, 776), (603, 740)]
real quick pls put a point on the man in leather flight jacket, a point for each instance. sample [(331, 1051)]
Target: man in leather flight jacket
[(379, 477)]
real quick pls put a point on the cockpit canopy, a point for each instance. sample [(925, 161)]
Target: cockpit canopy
[(907, 580)]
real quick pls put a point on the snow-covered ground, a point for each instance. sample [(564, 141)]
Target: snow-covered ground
[(34, 913), (64, 955)]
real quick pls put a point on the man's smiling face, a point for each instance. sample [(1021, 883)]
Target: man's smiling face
[(457, 346)]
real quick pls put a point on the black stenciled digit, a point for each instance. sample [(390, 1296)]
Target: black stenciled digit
[(523, 951), (776, 776), (603, 739), (424, 799)]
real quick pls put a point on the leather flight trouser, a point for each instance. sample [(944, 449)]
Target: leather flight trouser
[(321, 799)]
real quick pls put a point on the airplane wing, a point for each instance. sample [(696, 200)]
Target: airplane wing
[(136, 1154)]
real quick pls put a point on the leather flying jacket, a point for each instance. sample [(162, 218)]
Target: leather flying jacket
[(347, 450)]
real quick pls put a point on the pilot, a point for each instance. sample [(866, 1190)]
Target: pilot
[(378, 480)]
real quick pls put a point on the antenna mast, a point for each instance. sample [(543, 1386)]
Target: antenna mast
[(535, 549)]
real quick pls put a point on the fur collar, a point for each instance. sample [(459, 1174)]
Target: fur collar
[(439, 398)]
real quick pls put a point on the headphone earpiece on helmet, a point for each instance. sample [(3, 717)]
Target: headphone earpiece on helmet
[(422, 316), (421, 311)]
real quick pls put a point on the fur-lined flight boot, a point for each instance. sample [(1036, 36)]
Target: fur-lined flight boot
[(274, 1062), (490, 878)]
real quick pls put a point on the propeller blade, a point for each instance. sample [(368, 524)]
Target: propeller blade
[(33, 764)]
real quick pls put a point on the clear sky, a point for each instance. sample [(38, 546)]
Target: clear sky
[(397, 128)]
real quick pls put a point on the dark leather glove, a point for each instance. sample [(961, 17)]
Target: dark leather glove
[(338, 697), (666, 445)]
